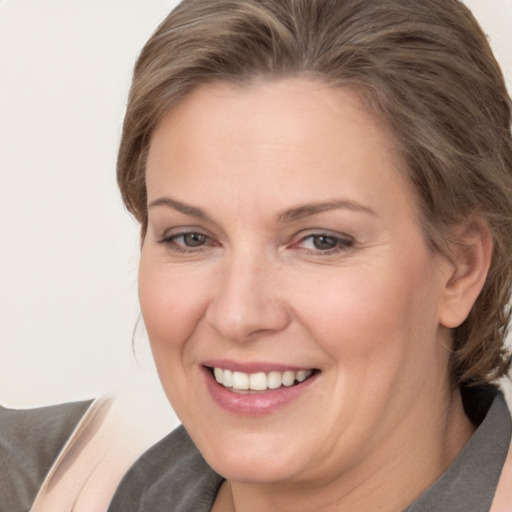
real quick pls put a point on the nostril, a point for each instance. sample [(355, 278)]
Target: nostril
[(246, 319)]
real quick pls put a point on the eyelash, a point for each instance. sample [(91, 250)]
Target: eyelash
[(341, 244), (170, 242)]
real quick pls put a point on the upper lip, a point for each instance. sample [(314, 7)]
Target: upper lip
[(253, 366)]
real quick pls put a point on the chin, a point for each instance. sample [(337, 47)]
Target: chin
[(260, 462), (251, 471)]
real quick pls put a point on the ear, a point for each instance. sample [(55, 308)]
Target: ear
[(469, 261)]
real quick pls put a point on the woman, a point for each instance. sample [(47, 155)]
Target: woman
[(325, 197)]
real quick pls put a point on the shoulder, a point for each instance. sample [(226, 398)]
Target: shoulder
[(172, 475), (30, 440), (503, 497)]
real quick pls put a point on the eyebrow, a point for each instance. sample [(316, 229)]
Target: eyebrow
[(308, 210), (289, 215), (184, 208)]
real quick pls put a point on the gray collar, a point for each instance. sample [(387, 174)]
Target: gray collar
[(470, 482)]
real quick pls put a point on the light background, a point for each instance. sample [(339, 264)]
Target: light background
[(68, 250)]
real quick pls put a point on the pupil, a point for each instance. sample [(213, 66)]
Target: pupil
[(324, 242), (194, 239)]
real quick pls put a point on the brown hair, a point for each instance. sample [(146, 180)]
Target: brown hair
[(424, 65)]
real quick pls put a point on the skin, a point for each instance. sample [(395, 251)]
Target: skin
[(380, 422)]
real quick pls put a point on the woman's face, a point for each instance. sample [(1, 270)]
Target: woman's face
[(284, 247)]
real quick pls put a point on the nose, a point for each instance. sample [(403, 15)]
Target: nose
[(247, 303)]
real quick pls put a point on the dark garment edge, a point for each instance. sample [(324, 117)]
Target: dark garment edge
[(470, 483)]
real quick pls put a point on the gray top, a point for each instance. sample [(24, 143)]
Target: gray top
[(469, 484), (30, 440), (172, 476)]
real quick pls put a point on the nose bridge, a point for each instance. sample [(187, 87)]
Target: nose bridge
[(246, 300)]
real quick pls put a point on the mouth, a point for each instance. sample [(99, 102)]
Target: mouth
[(259, 382)]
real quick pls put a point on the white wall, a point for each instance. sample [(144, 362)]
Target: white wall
[(68, 250)]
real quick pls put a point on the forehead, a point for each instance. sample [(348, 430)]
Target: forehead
[(293, 139), (296, 102)]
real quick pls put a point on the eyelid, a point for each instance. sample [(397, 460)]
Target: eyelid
[(312, 232), (183, 230), (344, 241), (169, 237)]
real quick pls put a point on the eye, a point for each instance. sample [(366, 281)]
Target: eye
[(187, 241), (191, 239), (324, 243)]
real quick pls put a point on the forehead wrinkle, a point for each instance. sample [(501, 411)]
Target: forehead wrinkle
[(308, 210)]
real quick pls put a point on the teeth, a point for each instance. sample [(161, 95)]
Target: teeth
[(288, 378), (228, 378), (301, 375), (274, 380), (259, 381), (240, 380), (219, 375)]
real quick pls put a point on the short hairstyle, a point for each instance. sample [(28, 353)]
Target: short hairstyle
[(424, 66)]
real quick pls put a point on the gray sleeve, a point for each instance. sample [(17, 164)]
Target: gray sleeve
[(171, 476), (30, 440)]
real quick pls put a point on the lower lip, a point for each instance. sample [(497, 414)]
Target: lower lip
[(254, 404)]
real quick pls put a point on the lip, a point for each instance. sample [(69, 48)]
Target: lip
[(257, 403), (251, 367)]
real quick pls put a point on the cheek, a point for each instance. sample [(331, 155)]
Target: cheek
[(171, 305), (379, 316)]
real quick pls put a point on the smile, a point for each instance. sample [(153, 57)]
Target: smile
[(263, 388), (260, 381)]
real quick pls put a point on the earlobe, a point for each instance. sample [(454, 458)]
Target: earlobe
[(470, 258)]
